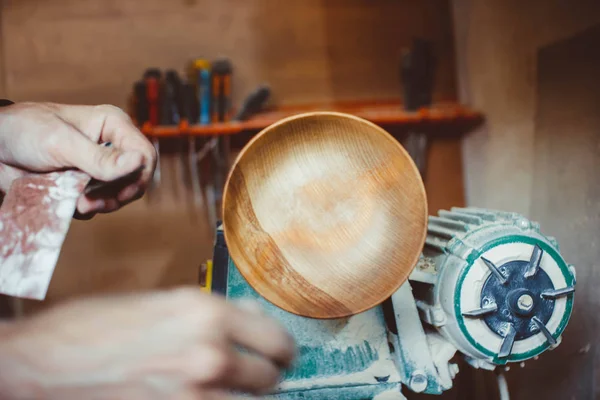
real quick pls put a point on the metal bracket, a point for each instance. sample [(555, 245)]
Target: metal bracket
[(432, 315)]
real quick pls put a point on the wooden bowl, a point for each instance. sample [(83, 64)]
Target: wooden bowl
[(324, 214)]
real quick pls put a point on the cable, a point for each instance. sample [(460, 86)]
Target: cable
[(503, 387)]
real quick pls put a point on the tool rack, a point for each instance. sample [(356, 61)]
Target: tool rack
[(442, 118), (380, 113)]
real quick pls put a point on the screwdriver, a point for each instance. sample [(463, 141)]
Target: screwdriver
[(200, 75), (169, 99), (151, 79), (169, 107), (221, 112), (221, 90), (188, 110), (141, 103)]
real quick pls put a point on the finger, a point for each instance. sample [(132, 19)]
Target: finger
[(108, 123), (110, 205), (252, 374), (261, 334), (83, 217), (127, 137), (102, 163), (130, 193), (223, 367), (87, 207), (126, 196)]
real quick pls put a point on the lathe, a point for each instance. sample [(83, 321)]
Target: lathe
[(489, 286), (319, 203)]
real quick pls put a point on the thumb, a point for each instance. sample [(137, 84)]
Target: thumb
[(100, 162)]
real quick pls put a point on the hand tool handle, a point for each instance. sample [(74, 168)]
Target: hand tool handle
[(152, 95), (169, 106), (204, 98), (189, 103), (253, 103), (417, 72), (141, 103), (221, 90), (199, 74)]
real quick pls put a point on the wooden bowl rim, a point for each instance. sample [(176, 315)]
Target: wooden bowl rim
[(388, 293)]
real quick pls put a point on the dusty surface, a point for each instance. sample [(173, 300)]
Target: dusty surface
[(34, 220)]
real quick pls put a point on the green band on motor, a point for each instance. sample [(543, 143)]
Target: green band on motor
[(474, 256)]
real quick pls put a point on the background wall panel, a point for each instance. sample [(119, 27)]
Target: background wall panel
[(315, 50)]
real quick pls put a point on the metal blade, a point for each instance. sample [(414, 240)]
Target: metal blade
[(194, 173), (508, 342), (534, 262), (503, 279), (157, 172), (545, 331), (556, 293), (479, 312)]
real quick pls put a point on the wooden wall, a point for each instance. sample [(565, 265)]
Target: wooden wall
[(532, 68), (91, 51)]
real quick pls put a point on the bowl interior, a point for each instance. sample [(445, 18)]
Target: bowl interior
[(324, 214)]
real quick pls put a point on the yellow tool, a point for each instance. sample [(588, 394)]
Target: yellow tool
[(208, 268)]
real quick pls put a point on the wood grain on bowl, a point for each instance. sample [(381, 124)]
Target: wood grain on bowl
[(324, 214)]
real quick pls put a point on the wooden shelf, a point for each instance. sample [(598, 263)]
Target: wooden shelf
[(381, 113)]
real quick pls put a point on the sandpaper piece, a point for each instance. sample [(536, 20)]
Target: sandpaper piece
[(34, 221)]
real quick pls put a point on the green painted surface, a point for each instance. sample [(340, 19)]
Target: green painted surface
[(326, 348), (317, 361), (563, 323)]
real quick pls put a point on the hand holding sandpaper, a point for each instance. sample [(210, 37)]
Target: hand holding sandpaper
[(46, 137), (49, 153)]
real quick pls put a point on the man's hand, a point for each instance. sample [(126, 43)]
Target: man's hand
[(44, 137), (180, 344)]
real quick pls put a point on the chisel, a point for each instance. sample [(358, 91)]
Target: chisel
[(221, 112), (188, 105), (201, 72), (170, 87)]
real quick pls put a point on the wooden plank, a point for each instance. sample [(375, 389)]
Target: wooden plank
[(91, 51)]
